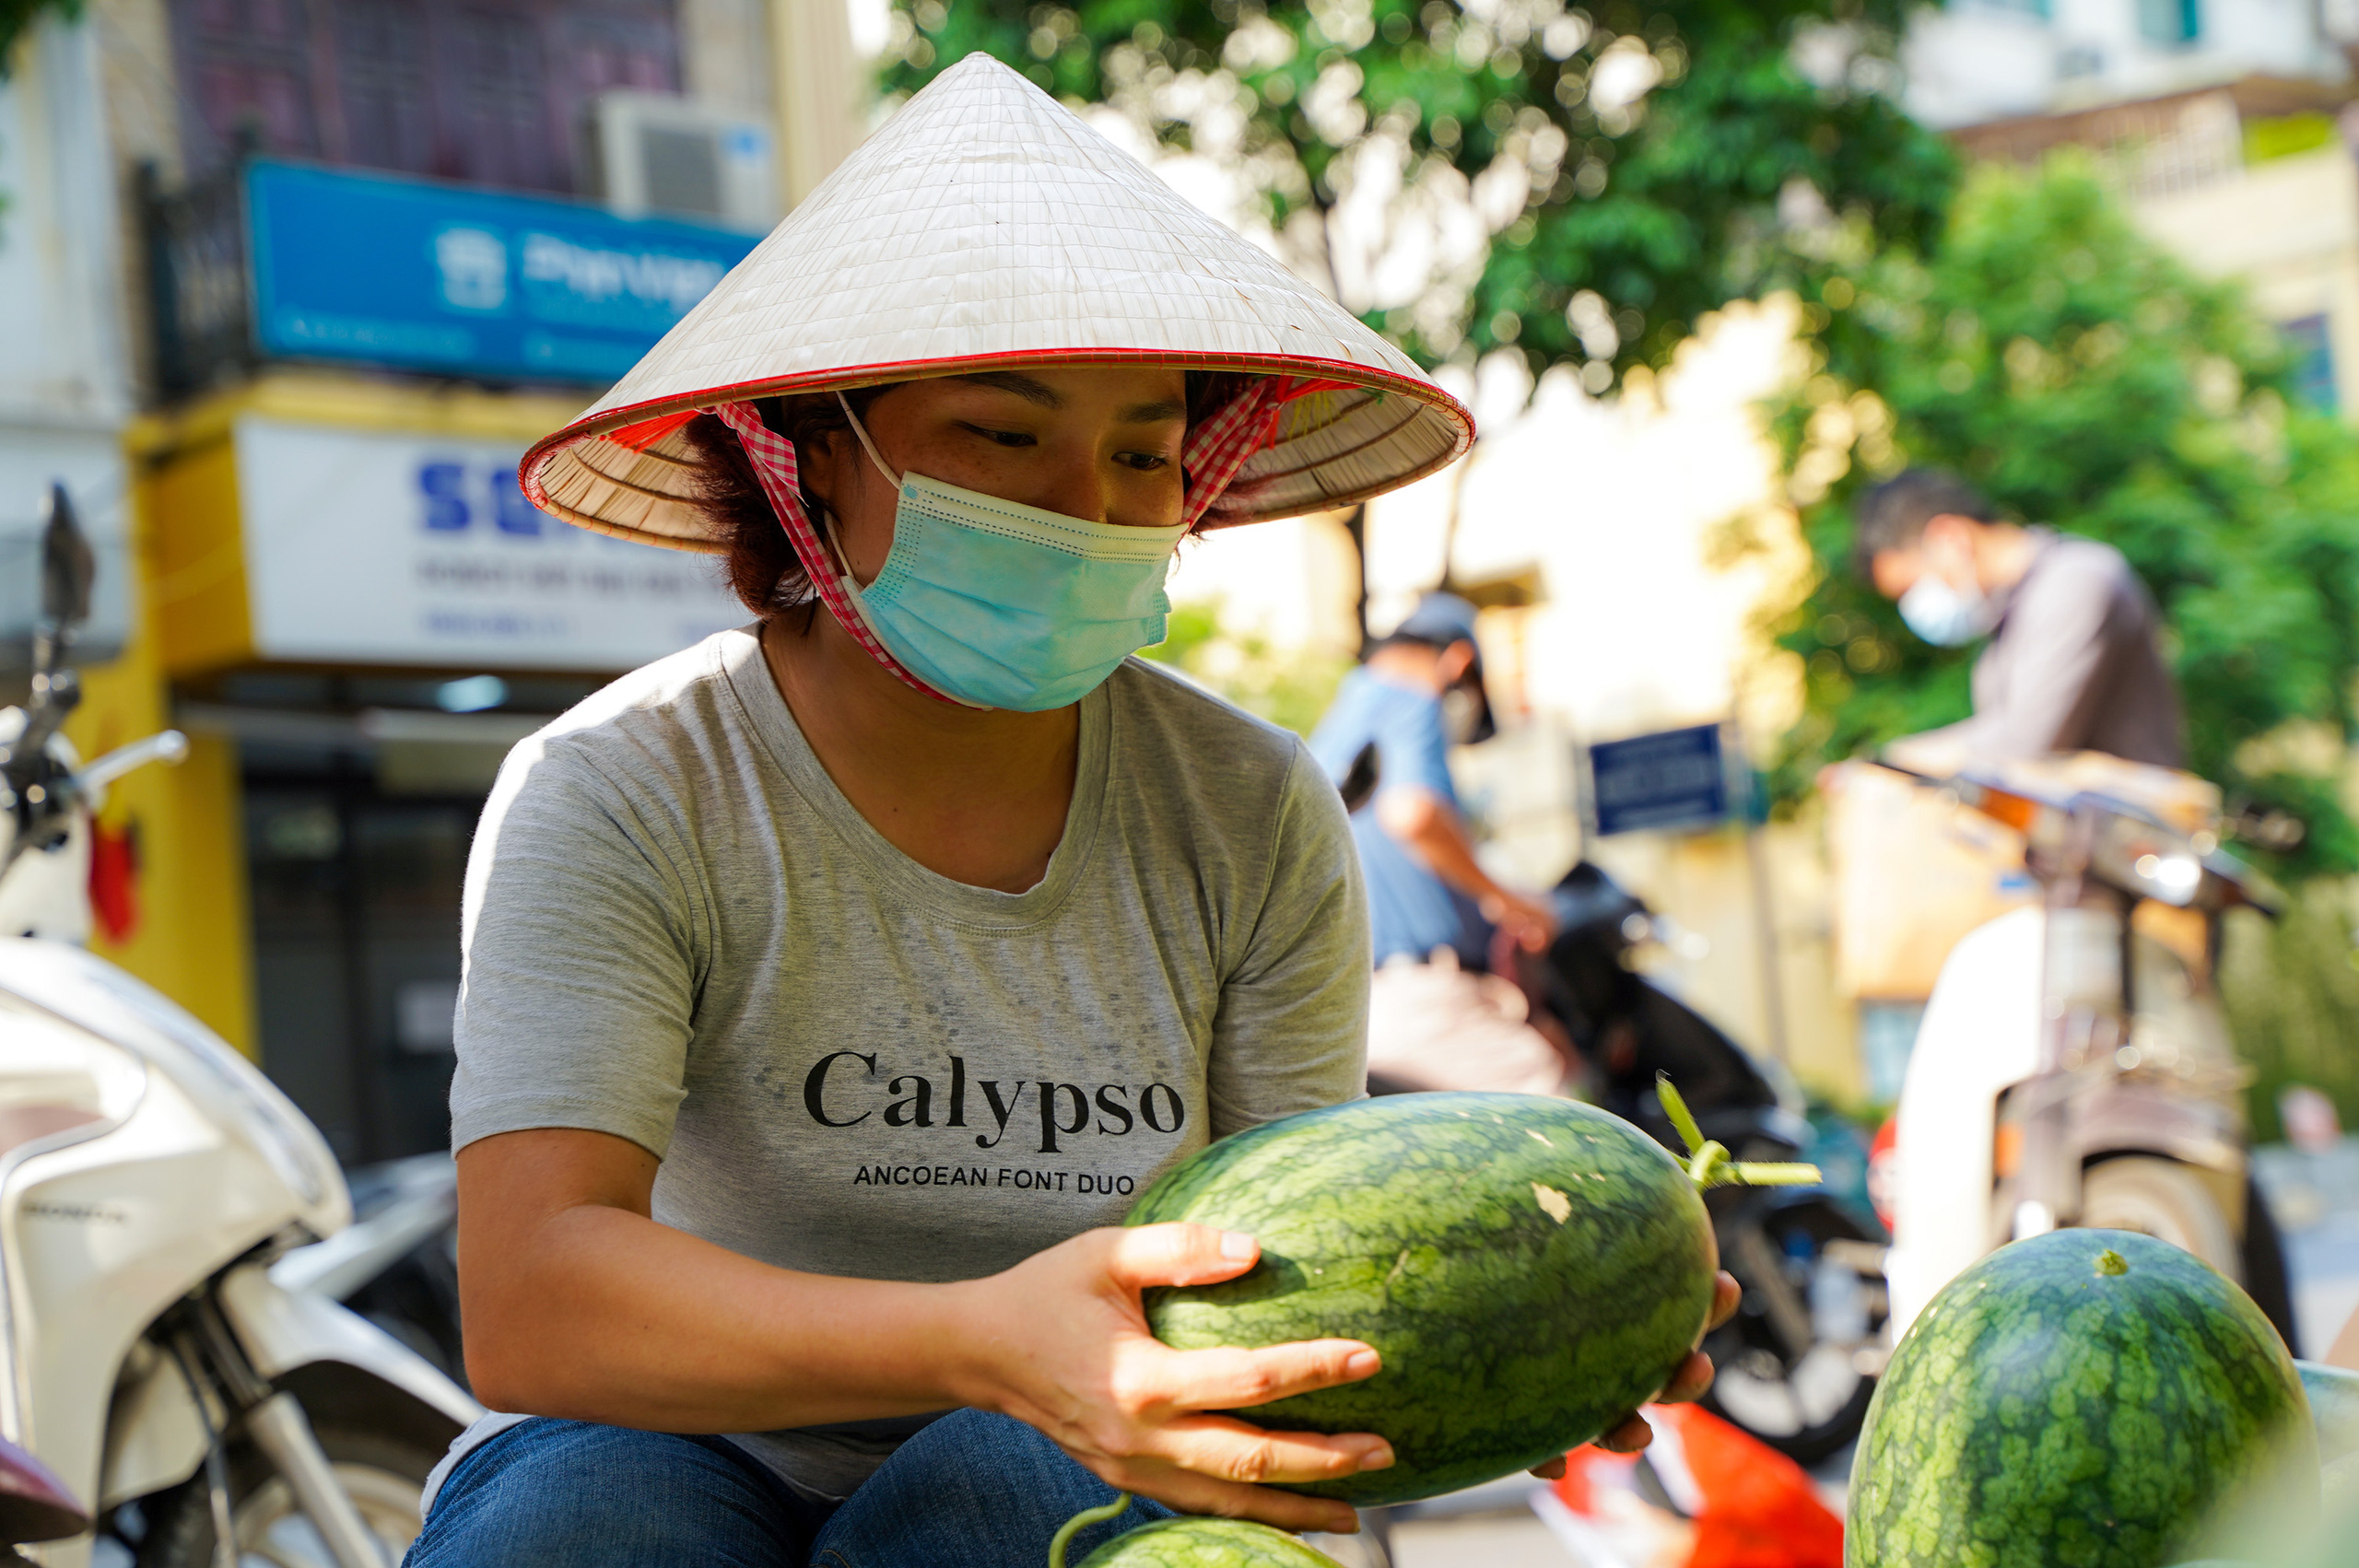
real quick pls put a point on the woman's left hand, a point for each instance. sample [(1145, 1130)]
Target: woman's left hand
[(1694, 1375)]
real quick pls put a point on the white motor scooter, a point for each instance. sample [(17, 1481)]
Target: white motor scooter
[(2074, 1067), (150, 1178)]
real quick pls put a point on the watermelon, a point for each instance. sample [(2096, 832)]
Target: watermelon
[(1531, 1269), (1206, 1543), (2082, 1399), (1186, 1543)]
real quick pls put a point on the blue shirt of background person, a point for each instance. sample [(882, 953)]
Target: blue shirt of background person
[(1420, 692), (1412, 909)]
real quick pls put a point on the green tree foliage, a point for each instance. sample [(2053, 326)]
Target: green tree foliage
[(1290, 686), (2292, 992), (1623, 170), (2081, 375)]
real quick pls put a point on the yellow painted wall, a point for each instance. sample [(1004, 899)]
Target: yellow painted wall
[(192, 940), (193, 566)]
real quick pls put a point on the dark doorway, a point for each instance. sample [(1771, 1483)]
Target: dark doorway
[(356, 941)]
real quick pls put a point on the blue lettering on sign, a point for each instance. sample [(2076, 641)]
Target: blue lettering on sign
[(455, 494), (443, 485), (510, 509), (508, 626)]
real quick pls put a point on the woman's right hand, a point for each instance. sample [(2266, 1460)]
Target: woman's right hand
[(1061, 1343)]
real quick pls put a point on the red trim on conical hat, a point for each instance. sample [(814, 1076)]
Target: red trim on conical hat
[(646, 432), (1300, 373)]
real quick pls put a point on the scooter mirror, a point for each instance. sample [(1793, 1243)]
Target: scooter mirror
[(66, 568)]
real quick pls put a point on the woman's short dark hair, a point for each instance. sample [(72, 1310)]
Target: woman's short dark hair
[(761, 565), (1893, 515)]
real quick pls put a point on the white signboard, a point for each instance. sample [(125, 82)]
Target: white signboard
[(369, 547)]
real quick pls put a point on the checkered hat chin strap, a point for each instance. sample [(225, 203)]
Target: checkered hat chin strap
[(1217, 448), (774, 463)]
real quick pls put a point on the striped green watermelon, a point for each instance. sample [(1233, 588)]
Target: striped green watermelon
[(1529, 1268), (1186, 1543), (2082, 1399), (1206, 1543)]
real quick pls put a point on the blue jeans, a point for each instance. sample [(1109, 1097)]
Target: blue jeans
[(971, 1490)]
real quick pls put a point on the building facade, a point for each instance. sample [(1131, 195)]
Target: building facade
[(1970, 62), (2227, 124), (301, 279), (66, 376)]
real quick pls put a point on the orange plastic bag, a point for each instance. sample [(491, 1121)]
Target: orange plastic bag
[(1745, 1505)]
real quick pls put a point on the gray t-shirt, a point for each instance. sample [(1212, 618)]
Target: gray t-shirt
[(679, 931)]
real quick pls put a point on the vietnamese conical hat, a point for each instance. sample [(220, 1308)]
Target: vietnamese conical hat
[(985, 225)]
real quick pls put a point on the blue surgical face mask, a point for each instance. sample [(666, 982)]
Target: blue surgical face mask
[(1001, 605), (1944, 616)]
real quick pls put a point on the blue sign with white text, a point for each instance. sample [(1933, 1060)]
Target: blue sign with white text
[(425, 277), (1675, 778)]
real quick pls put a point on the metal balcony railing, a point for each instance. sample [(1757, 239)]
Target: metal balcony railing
[(195, 239)]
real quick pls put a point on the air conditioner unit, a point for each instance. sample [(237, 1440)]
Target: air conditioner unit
[(657, 153)]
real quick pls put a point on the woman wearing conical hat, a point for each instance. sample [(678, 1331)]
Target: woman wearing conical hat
[(835, 985)]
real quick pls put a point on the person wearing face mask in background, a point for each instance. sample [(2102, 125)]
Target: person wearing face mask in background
[(1437, 1020), (2074, 662)]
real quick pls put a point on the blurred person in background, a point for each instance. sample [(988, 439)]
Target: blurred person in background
[(2074, 662), (1437, 1019)]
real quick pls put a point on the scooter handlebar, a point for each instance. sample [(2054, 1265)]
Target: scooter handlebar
[(171, 747)]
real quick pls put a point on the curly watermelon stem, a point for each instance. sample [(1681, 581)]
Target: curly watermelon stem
[(1080, 1522), (1709, 1165)]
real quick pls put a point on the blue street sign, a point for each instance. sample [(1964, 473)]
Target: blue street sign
[(426, 277), (1676, 778)]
